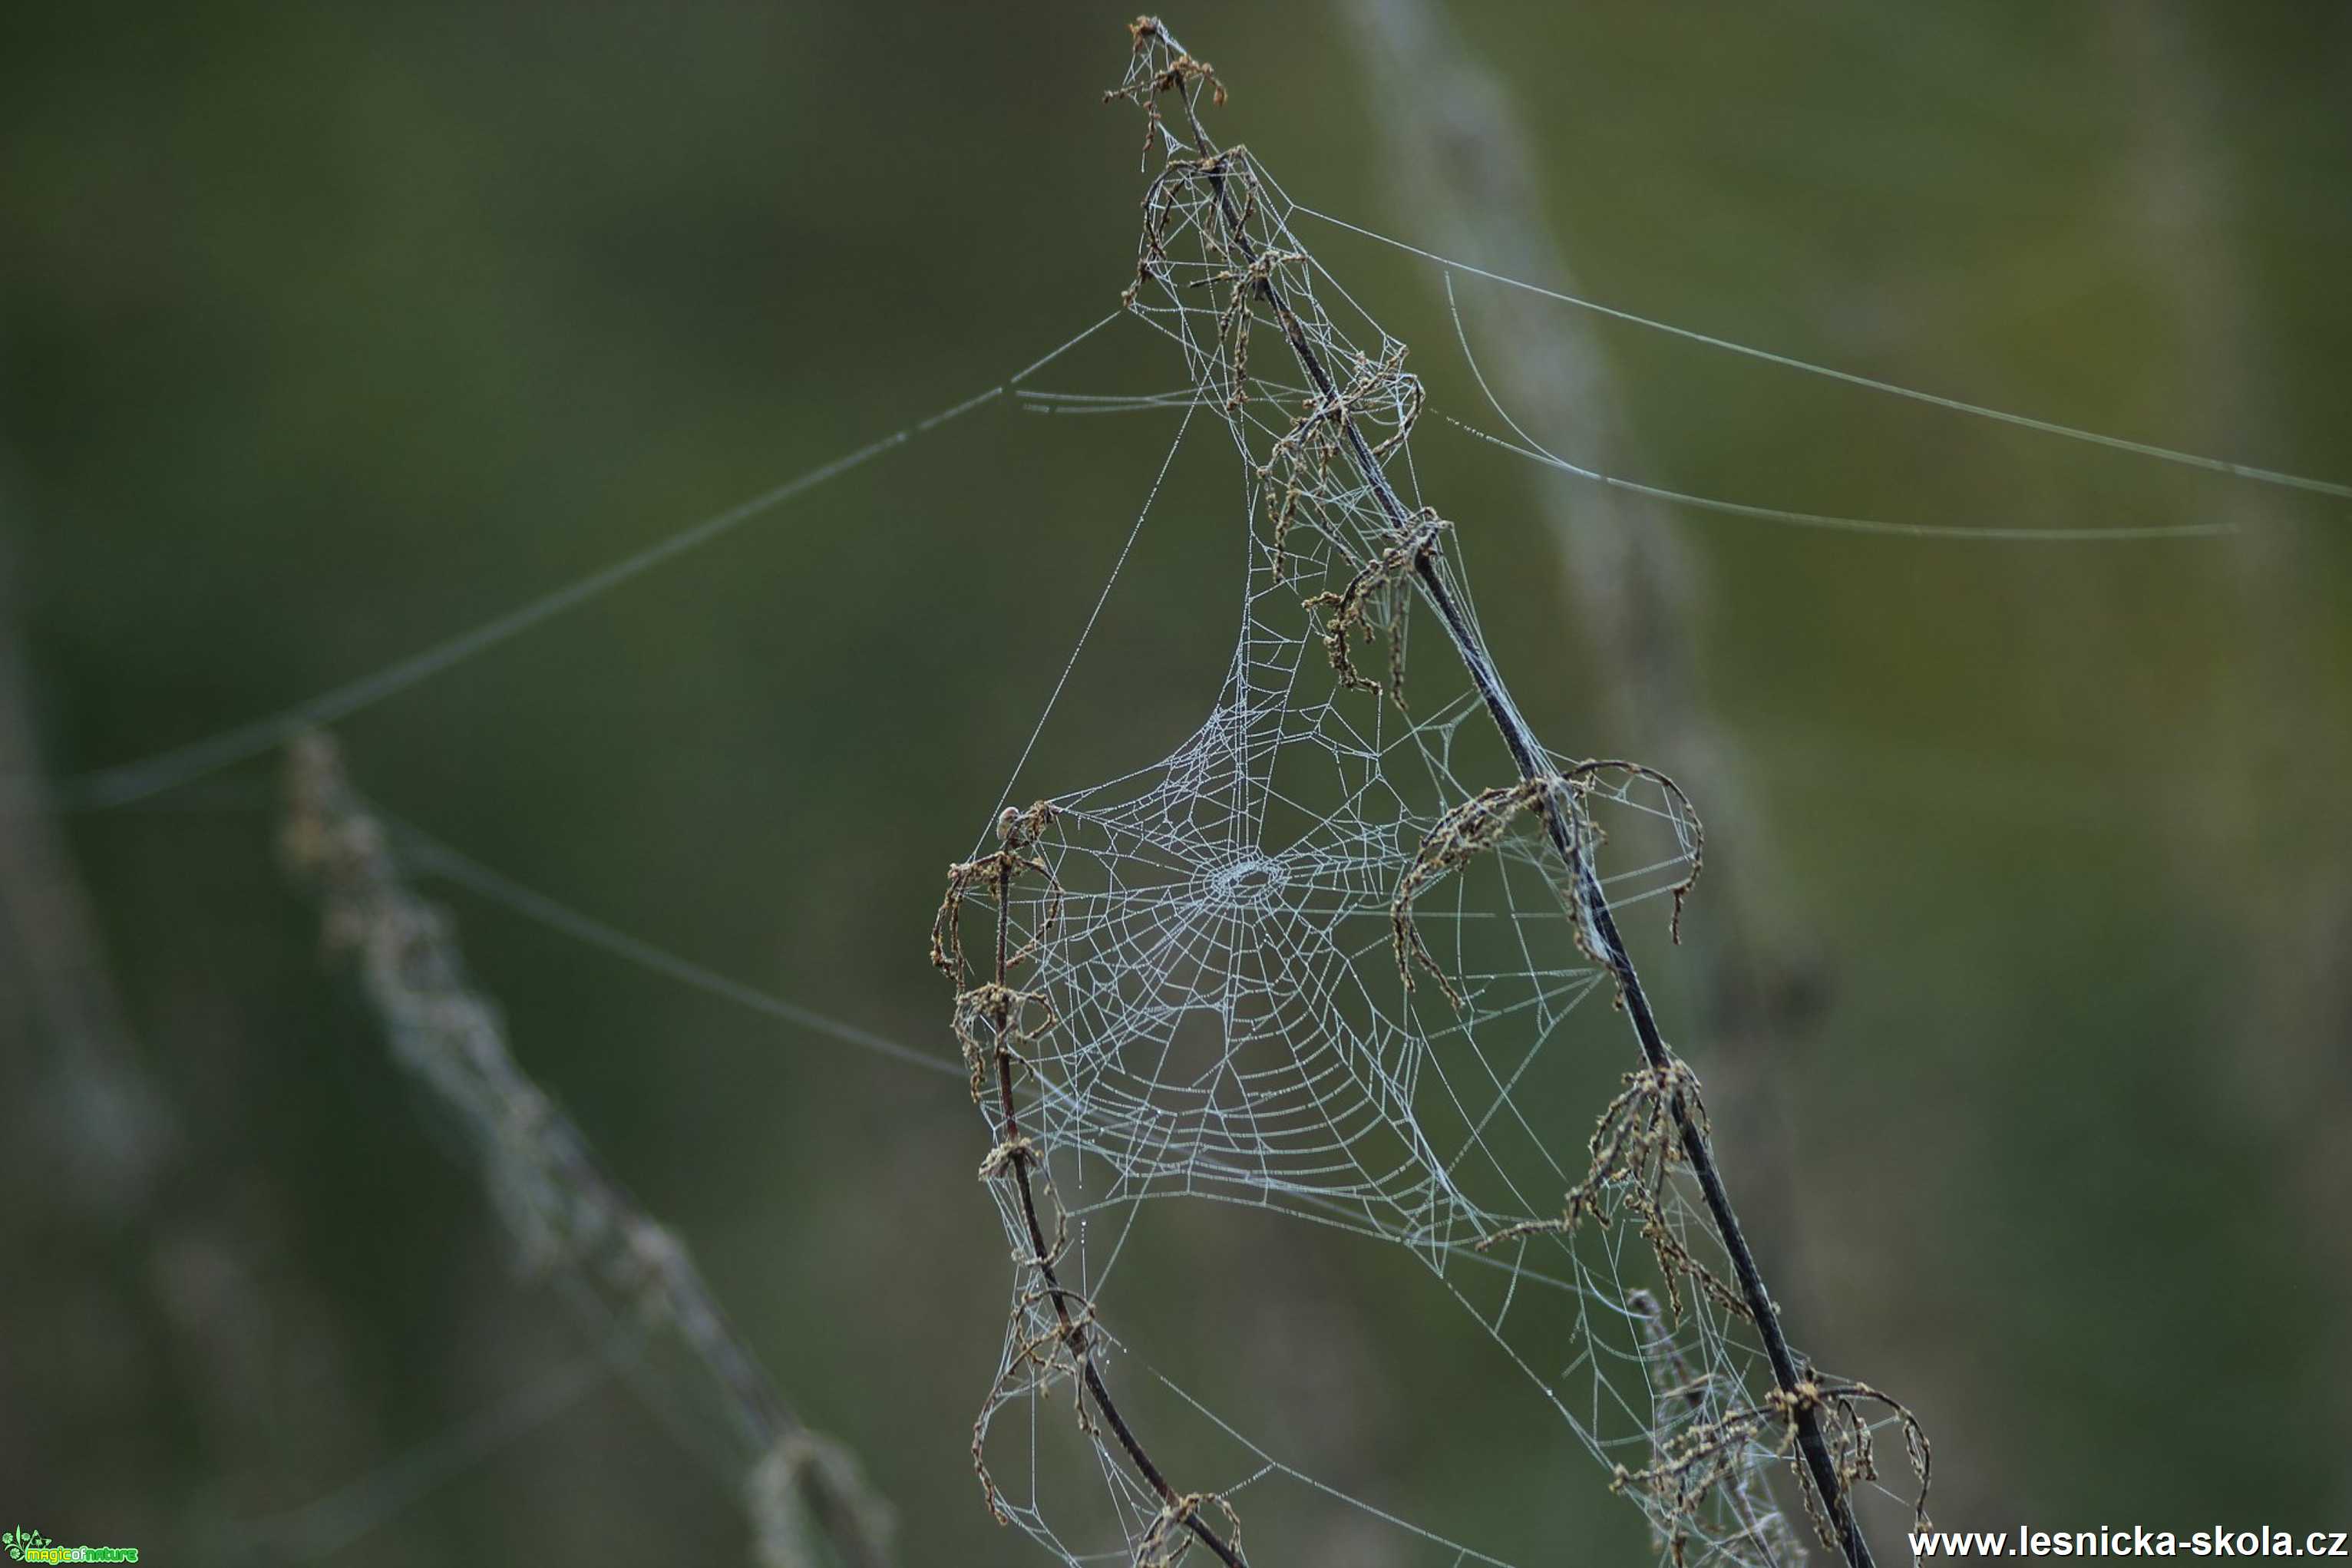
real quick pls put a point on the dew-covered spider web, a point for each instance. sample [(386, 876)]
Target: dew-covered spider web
[(1323, 957), (1337, 958)]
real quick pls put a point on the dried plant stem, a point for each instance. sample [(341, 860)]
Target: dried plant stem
[(2267, 830), (114, 1135), (802, 1491), (1529, 758), (1462, 167), (1018, 1154)]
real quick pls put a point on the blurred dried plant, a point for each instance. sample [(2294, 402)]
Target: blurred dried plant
[(805, 1502)]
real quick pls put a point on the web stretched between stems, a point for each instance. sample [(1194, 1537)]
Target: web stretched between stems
[(1322, 960)]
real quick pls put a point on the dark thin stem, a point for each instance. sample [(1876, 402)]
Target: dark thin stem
[(1530, 758), (1073, 1330)]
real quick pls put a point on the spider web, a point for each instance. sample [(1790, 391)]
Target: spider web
[(1224, 1014), (1205, 983)]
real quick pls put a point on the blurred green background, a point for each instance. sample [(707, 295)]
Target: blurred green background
[(327, 331)]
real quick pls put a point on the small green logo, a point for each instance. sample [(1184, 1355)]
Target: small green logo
[(31, 1546)]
